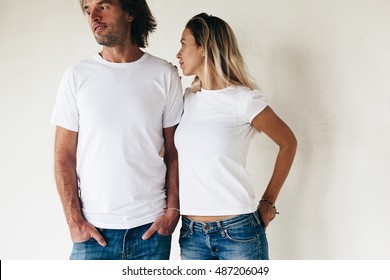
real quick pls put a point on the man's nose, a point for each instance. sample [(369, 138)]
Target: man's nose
[(95, 15)]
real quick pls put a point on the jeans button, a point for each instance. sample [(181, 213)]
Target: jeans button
[(206, 227)]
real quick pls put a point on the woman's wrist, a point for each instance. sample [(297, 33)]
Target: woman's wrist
[(263, 200)]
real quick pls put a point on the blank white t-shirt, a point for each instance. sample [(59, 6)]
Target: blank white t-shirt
[(119, 111), (212, 140)]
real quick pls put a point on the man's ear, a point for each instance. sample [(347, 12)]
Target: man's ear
[(130, 18)]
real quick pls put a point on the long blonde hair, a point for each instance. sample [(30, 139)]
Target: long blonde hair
[(222, 54)]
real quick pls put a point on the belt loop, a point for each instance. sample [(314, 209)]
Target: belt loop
[(257, 217), (191, 226), (221, 229)]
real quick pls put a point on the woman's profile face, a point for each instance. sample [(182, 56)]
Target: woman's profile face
[(190, 55)]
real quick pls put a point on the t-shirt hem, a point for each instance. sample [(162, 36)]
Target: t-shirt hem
[(68, 127), (256, 113), (212, 212), (171, 124), (137, 223)]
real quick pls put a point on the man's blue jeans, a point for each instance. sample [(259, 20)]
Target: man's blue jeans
[(124, 245), (239, 238)]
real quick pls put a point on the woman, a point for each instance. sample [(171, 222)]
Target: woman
[(221, 219)]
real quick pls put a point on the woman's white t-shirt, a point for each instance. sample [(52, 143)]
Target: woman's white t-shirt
[(212, 140)]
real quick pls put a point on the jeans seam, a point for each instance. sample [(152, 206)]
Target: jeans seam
[(124, 255), (259, 251)]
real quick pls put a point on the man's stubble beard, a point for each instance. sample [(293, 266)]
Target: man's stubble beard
[(106, 40), (112, 38)]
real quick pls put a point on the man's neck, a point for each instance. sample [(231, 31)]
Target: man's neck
[(122, 54)]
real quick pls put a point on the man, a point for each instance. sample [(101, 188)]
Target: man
[(114, 113)]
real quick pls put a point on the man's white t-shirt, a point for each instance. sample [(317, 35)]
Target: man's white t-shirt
[(119, 111), (212, 140)]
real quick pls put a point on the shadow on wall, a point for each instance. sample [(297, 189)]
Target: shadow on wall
[(297, 96)]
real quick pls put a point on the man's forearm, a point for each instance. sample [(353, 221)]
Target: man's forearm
[(66, 180), (172, 164), (65, 173), (172, 183)]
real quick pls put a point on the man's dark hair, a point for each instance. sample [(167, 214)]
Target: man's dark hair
[(144, 22)]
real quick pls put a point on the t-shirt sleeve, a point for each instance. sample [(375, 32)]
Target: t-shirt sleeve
[(187, 93), (174, 105), (65, 113), (256, 104)]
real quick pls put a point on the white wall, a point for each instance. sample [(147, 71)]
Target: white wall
[(325, 68)]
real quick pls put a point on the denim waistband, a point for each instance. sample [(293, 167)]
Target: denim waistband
[(223, 224)]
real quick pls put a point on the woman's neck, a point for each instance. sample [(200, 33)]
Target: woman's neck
[(213, 83)]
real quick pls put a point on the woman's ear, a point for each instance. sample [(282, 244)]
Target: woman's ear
[(130, 18)]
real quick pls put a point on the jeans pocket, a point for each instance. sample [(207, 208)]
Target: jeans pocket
[(244, 233), (162, 235), (184, 231), (85, 242)]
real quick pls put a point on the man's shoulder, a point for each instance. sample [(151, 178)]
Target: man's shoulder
[(159, 62), (152, 58), (81, 65), (86, 61)]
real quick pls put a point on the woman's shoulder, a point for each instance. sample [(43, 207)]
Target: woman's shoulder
[(246, 90), (251, 94)]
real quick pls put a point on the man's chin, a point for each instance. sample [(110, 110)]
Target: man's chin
[(103, 41)]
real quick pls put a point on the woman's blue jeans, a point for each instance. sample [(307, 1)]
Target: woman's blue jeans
[(239, 238), (124, 245)]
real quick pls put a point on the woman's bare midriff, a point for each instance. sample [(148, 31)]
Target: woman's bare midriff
[(208, 219)]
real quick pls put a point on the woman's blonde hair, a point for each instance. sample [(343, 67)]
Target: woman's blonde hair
[(222, 54)]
